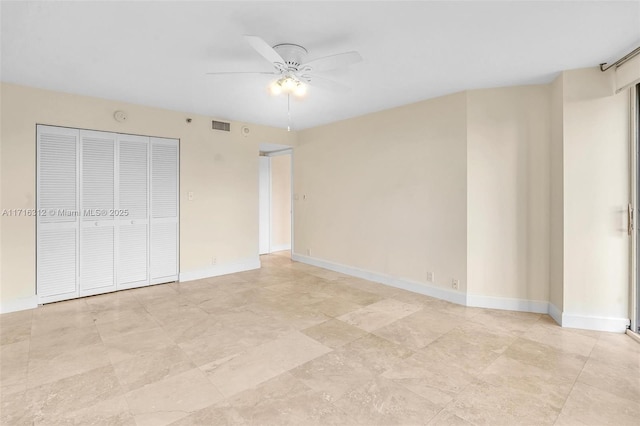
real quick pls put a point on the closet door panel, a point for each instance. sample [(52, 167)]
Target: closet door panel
[(133, 270), (97, 267), (97, 201), (57, 264), (164, 261), (164, 179), (57, 174), (57, 221), (98, 177), (133, 208), (164, 209), (133, 159)]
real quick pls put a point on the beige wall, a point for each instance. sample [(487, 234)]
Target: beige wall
[(386, 192), (544, 170), (280, 201), (220, 168), (508, 135), (556, 208), (521, 191), (596, 193)]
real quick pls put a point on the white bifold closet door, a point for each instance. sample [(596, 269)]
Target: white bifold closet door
[(108, 212), (57, 233), (133, 190), (97, 204), (164, 209)]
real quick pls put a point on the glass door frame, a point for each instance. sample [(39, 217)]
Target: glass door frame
[(634, 296)]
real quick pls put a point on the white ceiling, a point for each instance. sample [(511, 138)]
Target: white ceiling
[(157, 53)]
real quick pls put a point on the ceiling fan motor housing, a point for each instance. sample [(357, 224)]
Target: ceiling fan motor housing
[(293, 54)]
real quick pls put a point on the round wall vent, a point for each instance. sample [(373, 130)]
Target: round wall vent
[(120, 116), (245, 131)]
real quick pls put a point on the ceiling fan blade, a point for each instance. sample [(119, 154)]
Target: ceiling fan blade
[(267, 52), (332, 62), (242, 72), (324, 83)]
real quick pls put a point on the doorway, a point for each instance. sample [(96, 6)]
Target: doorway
[(274, 194)]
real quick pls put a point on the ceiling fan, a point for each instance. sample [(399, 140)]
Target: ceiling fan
[(288, 63)]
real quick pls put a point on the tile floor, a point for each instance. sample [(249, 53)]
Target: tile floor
[(295, 344)]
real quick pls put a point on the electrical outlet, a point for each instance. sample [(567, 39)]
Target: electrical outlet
[(430, 277), (455, 284), (190, 195), (214, 260)]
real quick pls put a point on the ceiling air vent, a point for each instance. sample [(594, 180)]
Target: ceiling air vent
[(220, 125)]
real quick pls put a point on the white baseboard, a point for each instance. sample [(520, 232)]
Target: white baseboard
[(584, 322), (221, 269), (404, 284), (555, 313), (634, 336), (480, 301), (281, 247), (508, 304), (616, 325), (19, 304)]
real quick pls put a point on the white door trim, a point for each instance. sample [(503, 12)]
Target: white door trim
[(264, 205)]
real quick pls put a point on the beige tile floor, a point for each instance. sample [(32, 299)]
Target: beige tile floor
[(295, 344)]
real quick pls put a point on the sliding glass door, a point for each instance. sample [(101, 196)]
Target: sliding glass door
[(635, 282)]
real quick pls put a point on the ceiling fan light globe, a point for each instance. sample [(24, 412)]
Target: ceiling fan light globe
[(300, 90), (275, 88), (289, 84)]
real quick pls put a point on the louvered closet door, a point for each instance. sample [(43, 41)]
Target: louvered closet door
[(57, 221), (133, 211), (97, 203), (164, 209)]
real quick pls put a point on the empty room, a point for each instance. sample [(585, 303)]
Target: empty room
[(319, 213)]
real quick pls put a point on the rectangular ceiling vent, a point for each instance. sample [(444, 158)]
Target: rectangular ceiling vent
[(221, 125)]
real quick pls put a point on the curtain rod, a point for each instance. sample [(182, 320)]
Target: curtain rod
[(620, 61)]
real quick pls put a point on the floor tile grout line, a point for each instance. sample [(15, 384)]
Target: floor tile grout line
[(592, 386), (476, 377)]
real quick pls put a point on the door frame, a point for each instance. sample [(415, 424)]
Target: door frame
[(266, 186), (285, 151), (634, 145)]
